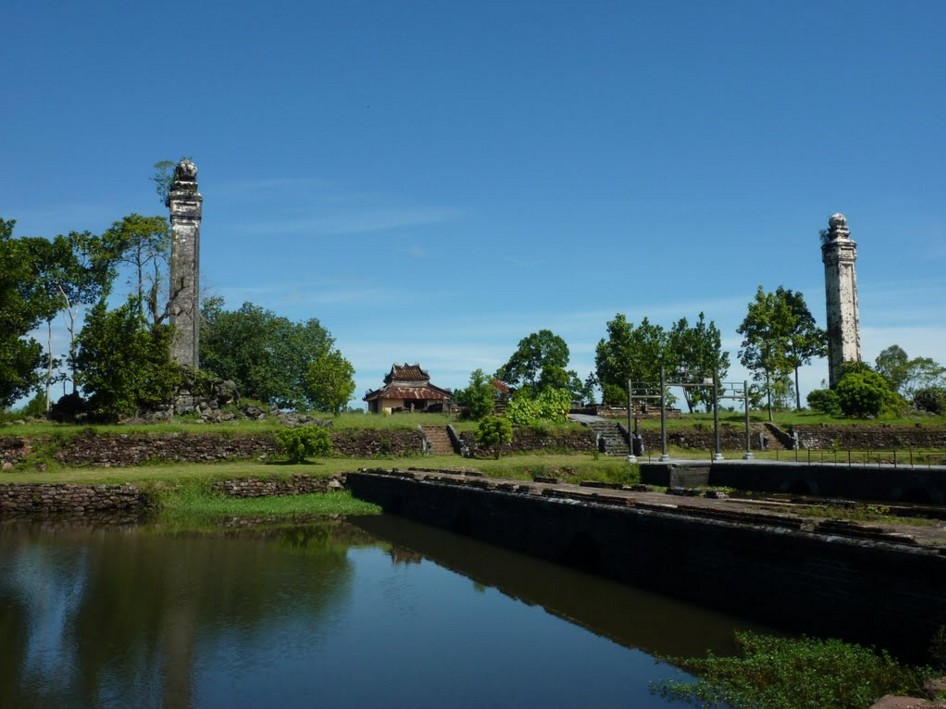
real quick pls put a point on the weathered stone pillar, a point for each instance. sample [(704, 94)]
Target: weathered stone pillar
[(185, 203), (839, 252)]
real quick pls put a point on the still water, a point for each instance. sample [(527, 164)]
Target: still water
[(372, 612)]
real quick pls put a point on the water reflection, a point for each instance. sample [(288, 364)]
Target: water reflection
[(634, 618), (362, 614)]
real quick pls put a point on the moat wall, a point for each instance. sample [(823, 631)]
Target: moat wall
[(768, 570)]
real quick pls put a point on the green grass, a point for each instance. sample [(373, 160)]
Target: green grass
[(789, 673), (194, 505)]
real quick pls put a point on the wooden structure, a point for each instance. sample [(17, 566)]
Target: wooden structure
[(407, 387)]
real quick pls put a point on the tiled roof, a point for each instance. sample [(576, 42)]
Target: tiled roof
[(428, 393), (406, 373), (408, 381)]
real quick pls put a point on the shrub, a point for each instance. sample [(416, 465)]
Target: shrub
[(931, 399), (300, 443), (479, 397), (862, 394), (824, 401), (550, 405), (493, 432), (785, 673)]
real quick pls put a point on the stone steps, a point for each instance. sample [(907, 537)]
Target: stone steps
[(610, 439), (438, 440)]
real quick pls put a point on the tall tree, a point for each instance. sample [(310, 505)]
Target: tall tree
[(630, 353), (20, 355), (766, 332), (805, 339), (479, 397), (330, 382), (143, 244), (905, 375), (267, 355), (123, 362), (539, 362), (69, 273), (698, 356)]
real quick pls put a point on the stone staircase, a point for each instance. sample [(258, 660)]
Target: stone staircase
[(611, 440), (438, 440)]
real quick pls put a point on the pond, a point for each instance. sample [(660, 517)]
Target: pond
[(368, 612)]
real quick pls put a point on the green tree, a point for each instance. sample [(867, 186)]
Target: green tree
[(862, 394), (931, 399), (20, 355), (698, 356), (163, 178), (550, 405), (122, 362), (825, 401), (766, 332), (805, 339), (905, 375), (479, 397), (144, 245), (540, 361), (69, 273), (494, 432), (630, 353), (330, 382), (266, 355)]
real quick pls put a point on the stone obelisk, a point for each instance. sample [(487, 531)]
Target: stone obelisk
[(185, 202), (839, 252)]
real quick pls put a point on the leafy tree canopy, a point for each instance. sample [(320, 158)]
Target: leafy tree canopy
[(907, 375), (630, 353), (539, 362), (330, 382), (143, 244), (697, 356), (122, 362), (479, 397), (266, 355), (862, 394), (779, 336), (20, 355)]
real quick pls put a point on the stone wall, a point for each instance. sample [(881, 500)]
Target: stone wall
[(274, 487), (13, 449), (526, 439), (870, 437), (126, 449), (43, 500), (119, 450), (767, 568)]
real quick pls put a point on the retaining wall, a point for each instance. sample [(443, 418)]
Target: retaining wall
[(762, 567), (40, 500)]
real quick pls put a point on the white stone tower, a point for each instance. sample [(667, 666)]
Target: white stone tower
[(185, 204), (839, 252)]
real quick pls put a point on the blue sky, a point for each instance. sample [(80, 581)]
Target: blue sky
[(436, 180)]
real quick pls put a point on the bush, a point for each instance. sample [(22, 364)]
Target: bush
[(493, 432), (862, 394), (300, 443), (931, 399), (550, 405), (824, 401), (785, 673)]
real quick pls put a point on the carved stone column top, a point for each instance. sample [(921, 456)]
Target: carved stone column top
[(837, 227), (185, 177)]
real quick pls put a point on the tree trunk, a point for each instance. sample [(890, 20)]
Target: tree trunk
[(797, 392)]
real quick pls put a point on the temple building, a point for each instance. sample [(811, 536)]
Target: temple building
[(407, 387)]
